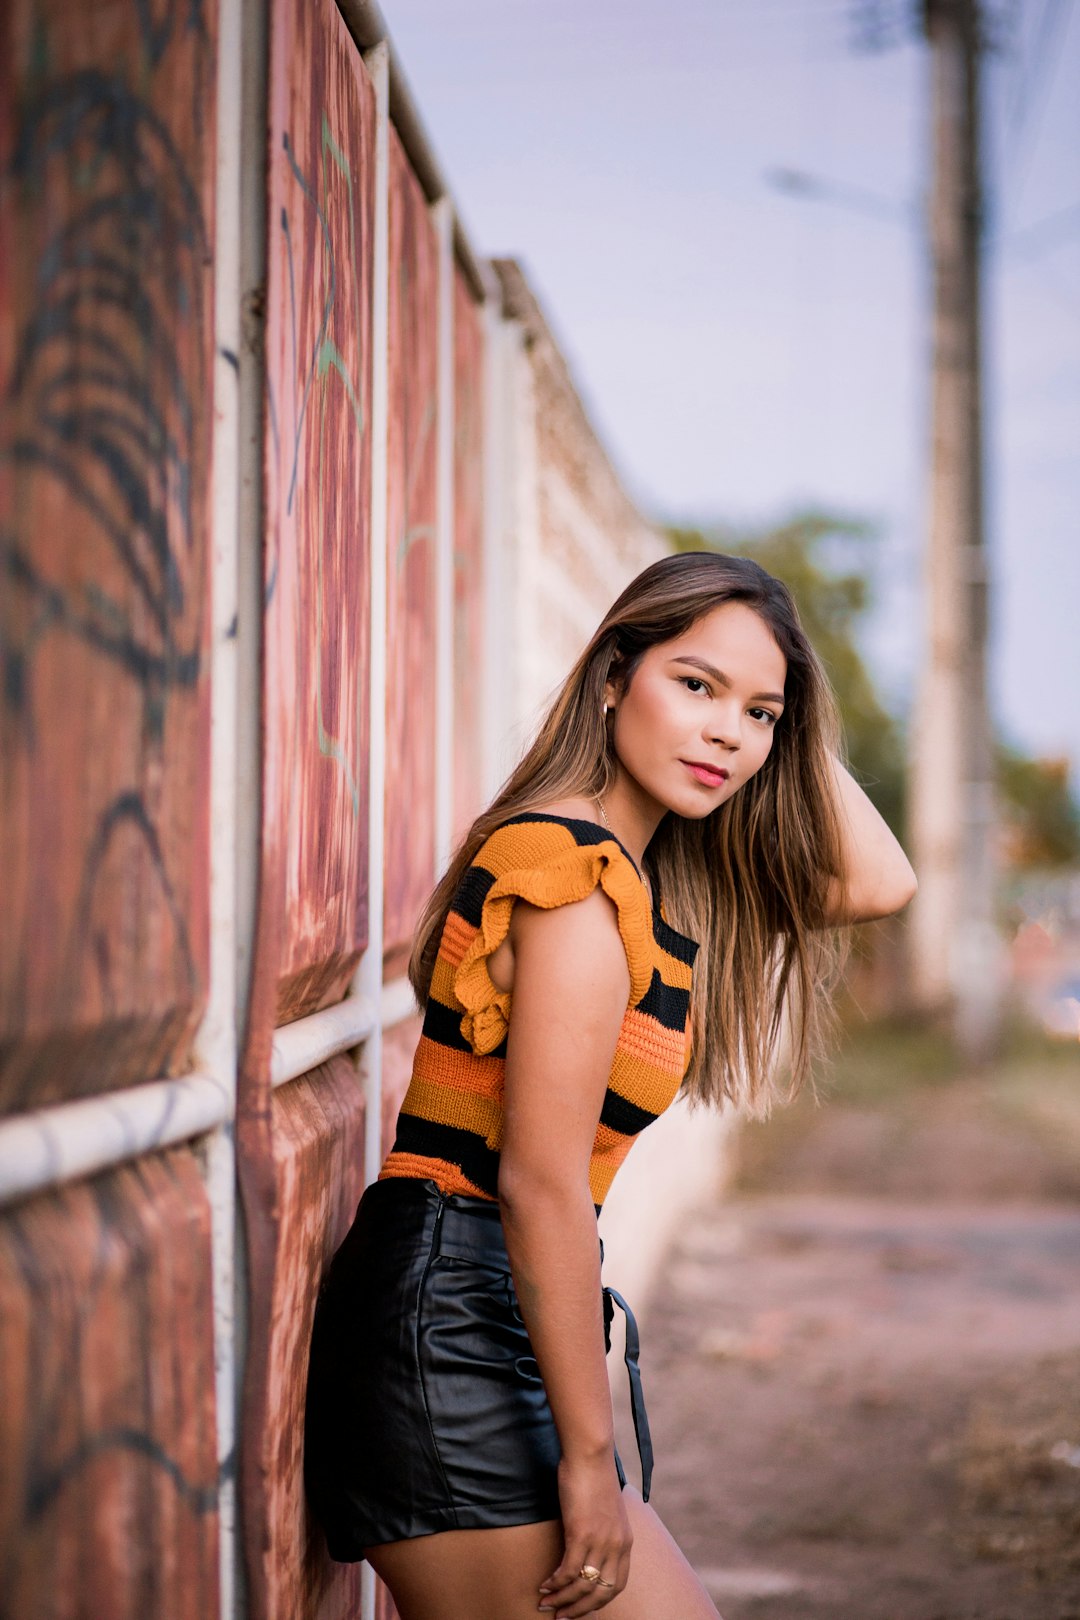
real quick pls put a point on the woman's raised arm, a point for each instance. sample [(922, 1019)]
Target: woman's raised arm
[(571, 984), (878, 877)]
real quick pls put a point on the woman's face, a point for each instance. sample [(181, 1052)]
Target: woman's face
[(710, 697)]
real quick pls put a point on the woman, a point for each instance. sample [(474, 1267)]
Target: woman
[(662, 884)]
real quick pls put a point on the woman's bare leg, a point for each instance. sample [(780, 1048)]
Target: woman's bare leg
[(496, 1574)]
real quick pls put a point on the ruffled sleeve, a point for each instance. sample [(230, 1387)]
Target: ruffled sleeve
[(541, 862)]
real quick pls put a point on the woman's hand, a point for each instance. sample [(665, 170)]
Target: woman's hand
[(596, 1530), (571, 988)]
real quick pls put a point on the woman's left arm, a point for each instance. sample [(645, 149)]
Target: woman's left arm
[(878, 878)]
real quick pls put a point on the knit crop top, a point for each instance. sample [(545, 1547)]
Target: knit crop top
[(449, 1128)]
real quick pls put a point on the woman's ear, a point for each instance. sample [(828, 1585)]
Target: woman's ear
[(613, 687)]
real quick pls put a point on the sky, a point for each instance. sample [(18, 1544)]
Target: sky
[(746, 352)]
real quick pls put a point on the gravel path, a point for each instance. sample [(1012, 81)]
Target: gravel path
[(865, 1405)]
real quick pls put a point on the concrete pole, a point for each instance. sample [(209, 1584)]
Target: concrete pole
[(956, 956)]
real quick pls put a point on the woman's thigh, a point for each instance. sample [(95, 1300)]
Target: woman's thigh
[(496, 1574)]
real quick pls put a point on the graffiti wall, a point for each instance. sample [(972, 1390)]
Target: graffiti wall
[(106, 354), (410, 562), (469, 580), (109, 1487), (329, 468), (300, 1146)]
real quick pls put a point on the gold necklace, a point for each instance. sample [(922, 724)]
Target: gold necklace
[(644, 883)]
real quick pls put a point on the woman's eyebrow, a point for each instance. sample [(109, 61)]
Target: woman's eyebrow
[(718, 675)]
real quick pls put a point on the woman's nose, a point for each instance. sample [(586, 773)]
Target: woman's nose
[(725, 730)]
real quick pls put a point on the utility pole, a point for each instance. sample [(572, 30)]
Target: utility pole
[(955, 950)]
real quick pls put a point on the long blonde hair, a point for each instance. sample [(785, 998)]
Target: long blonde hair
[(748, 881)]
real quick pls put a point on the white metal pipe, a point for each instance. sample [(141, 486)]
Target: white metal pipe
[(248, 202), (368, 979), (215, 1045), (398, 1002), (50, 1145), (298, 1047)]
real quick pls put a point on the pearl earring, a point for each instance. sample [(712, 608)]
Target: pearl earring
[(603, 711)]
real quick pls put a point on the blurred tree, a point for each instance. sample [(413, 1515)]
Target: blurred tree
[(831, 601), (1042, 818), (808, 552)]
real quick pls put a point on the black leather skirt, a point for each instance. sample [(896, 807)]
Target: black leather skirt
[(425, 1407)]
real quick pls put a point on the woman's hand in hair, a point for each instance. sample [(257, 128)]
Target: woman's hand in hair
[(878, 878)]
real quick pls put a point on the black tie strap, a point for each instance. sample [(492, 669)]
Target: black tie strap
[(637, 1398)]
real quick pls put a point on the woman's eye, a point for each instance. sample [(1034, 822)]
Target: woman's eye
[(695, 682)]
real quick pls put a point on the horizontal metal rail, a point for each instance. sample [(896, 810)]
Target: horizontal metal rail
[(72, 1139), (300, 1046)]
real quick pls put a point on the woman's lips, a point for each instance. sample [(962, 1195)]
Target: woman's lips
[(706, 774)]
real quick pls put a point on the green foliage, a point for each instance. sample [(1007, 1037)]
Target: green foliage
[(1042, 815), (811, 553), (831, 600)]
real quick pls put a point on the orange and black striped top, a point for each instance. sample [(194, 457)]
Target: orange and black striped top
[(449, 1128)]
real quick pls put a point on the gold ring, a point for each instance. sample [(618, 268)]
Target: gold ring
[(589, 1572)]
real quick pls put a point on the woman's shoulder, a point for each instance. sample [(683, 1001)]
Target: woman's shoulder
[(548, 858), (547, 830)]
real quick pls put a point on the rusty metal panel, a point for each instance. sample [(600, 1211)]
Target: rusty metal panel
[(319, 1164), (107, 161), (320, 222), (468, 556), (411, 511), (300, 1156), (108, 1490)]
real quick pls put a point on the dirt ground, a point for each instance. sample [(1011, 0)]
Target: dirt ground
[(863, 1368)]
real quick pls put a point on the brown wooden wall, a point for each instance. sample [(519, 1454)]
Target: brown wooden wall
[(469, 603), (301, 1146), (108, 1478), (412, 447), (109, 1487), (317, 451), (108, 1440), (106, 351)]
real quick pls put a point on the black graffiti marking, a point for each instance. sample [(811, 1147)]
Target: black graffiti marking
[(157, 37), (128, 808), (172, 668), (99, 377), (58, 1376), (41, 1492)]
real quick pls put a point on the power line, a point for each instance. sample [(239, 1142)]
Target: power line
[(1045, 235), (1032, 90), (1028, 73), (800, 183)]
